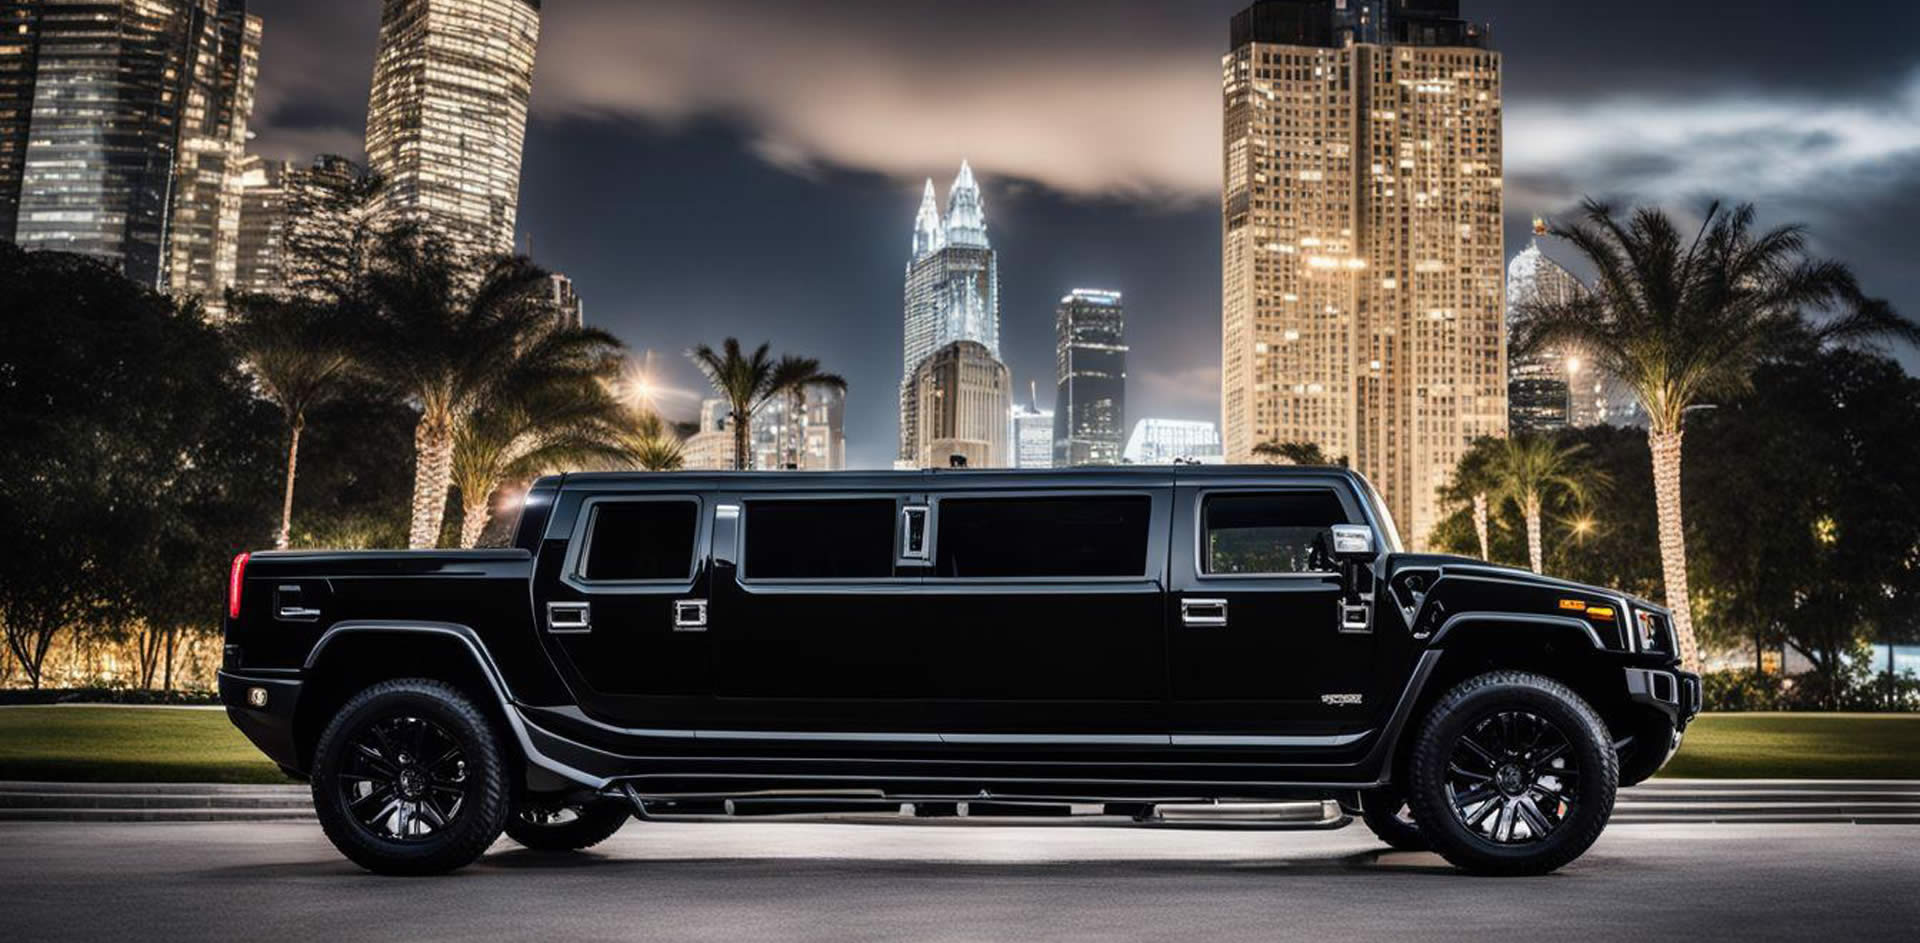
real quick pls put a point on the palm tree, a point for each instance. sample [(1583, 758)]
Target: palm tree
[(566, 424), (750, 382), (1473, 484), (1681, 321), (300, 358), (649, 446), (459, 339), (1529, 469)]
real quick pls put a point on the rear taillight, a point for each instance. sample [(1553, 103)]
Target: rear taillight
[(236, 580)]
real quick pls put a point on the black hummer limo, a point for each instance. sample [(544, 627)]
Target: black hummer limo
[(1111, 638)]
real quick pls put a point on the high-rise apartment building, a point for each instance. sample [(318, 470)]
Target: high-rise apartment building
[(952, 289), (296, 222), (710, 446), (804, 431), (128, 147), (963, 402), (447, 118), (1166, 441), (1362, 246), (1539, 389), (566, 301), (1090, 357)]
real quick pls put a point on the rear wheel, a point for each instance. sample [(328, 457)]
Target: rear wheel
[(556, 825), (409, 778), (1512, 773), (1387, 813)]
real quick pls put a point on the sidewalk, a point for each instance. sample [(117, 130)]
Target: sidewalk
[(1859, 802)]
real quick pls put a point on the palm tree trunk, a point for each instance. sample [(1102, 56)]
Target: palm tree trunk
[(285, 537), (432, 476), (1673, 540), (473, 518), (1534, 554), (742, 438), (1480, 525)]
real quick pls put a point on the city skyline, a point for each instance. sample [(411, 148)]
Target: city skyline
[(719, 175)]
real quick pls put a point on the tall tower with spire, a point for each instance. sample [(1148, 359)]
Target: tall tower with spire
[(952, 289)]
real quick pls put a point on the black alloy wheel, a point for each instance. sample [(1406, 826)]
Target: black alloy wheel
[(1512, 773), (1512, 779), (554, 824), (409, 777)]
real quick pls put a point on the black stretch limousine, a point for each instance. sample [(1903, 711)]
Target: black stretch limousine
[(1113, 639)]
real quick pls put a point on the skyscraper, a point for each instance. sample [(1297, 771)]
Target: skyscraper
[(1090, 355), (1032, 432), (129, 152), (295, 222), (1540, 396), (806, 431), (1362, 248), (566, 301), (1165, 441), (448, 115), (964, 406), (952, 289)]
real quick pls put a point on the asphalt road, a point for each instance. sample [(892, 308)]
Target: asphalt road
[(843, 882)]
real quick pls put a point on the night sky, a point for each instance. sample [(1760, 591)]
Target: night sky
[(705, 168)]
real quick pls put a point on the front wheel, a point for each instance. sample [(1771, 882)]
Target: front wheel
[(1512, 773), (410, 778), (556, 825)]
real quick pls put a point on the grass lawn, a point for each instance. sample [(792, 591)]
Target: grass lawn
[(1800, 746), (127, 744), (121, 744)]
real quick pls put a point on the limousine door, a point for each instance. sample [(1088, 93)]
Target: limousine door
[(620, 593), (1256, 641)]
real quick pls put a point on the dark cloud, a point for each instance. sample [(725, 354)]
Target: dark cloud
[(751, 168)]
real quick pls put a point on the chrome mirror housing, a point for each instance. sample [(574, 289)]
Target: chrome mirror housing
[(1353, 541)]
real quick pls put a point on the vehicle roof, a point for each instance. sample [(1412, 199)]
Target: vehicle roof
[(1137, 475)]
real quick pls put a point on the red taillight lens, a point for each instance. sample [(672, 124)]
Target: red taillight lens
[(236, 580)]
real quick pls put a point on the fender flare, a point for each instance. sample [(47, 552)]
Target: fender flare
[(496, 682), (1558, 622)]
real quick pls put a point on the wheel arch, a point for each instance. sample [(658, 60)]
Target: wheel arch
[(351, 656)]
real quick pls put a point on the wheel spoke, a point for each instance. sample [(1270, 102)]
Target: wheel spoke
[(1541, 761), (1479, 752), (1456, 769), (1530, 813), (377, 821), (374, 758)]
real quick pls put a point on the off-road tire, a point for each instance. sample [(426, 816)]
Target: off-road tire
[(596, 822), (1380, 809), (482, 812), (1488, 695)]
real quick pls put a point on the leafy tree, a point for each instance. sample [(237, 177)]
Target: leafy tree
[(300, 356), (1297, 453), (1684, 321), (458, 339), (1809, 524), (748, 382), (137, 456)]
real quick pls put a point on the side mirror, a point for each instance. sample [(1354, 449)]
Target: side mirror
[(1353, 542)]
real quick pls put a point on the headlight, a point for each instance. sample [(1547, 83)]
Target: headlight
[(1653, 632)]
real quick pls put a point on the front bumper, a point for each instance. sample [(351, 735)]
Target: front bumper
[(270, 726), (1673, 693)]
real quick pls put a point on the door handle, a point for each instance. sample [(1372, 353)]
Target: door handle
[(297, 614), (564, 618), (1203, 613), (689, 615)]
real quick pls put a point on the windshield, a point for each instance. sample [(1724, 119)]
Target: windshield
[(1390, 533)]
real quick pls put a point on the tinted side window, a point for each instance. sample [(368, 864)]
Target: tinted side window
[(641, 540), (819, 540), (1066, 536), (1282, 532)]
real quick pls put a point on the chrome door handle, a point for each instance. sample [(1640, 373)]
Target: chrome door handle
[(297, 614), (689, 615), (1203, 613), (566, 618)]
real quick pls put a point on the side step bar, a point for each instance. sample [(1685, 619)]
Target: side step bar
[(868, 808)]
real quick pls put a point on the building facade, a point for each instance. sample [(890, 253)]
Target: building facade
[(1166, 441), (710, 447), (952, 290), (447, 119), (1090, 359), (1032, 432), (1362, 246), (566, 301), (1539, 392), (963, 402), (806, 431), (133, 127)]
